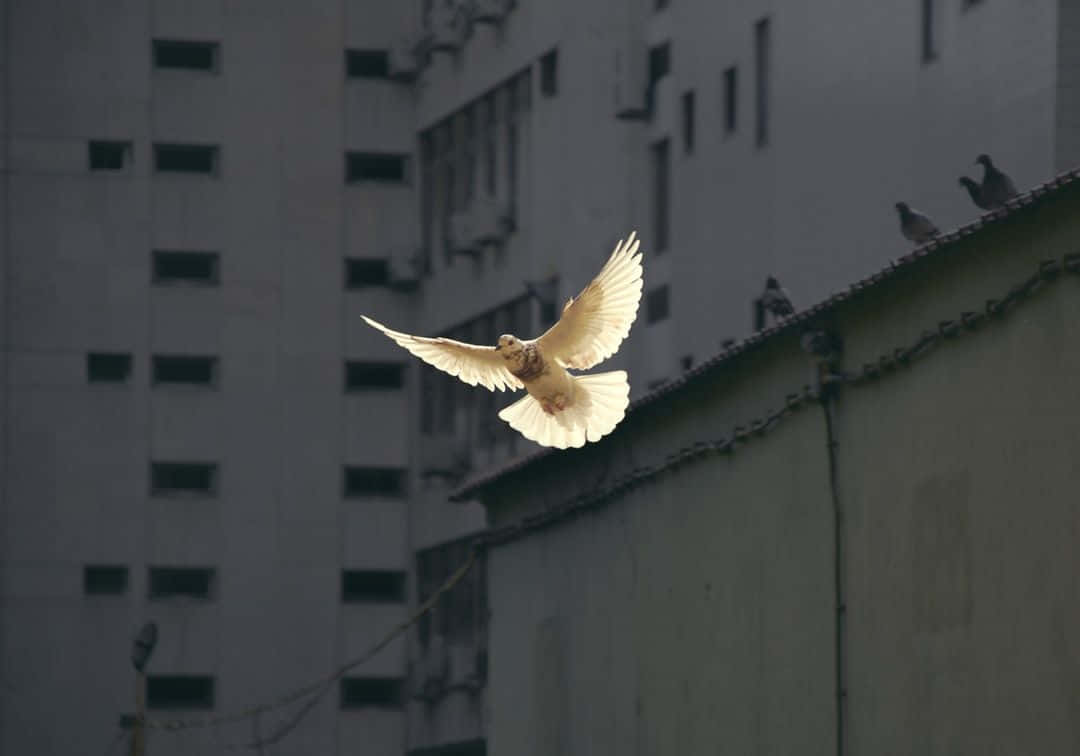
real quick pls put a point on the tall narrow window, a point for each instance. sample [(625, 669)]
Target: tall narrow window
[(657, 305), (659, 67), (731, 100), (191, 56), (186, 158), (490, 124), (661, 199), (929, 31), (549, 74), (513, 108), (762, 67), (109, 156), (427, 197), (688, 121)]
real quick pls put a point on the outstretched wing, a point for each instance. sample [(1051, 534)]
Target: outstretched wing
[(594, 324), (475, 365)]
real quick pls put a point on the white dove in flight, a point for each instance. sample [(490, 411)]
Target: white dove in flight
[(561, 410)]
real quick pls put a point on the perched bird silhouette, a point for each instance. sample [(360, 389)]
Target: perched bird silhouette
[(974, 190), (914, 225), (560, 410), (773, 301), (997, 188)]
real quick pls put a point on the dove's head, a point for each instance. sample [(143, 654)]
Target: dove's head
[(903, 208), (771, 283), (983, 160), (509, 346)]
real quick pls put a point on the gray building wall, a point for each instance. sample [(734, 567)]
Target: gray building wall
[(77, 255), (696, 610)]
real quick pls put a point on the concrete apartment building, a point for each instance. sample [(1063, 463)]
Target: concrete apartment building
[(199, 199)]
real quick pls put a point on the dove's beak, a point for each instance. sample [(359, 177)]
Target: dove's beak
[(498, 347)]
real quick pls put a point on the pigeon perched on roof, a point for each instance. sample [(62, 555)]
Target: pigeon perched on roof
[(773, 301), (974, 190), (914, 225), (997, 188), (560, 410)]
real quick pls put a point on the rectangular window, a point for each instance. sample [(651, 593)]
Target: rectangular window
[(374, 481), (187, 55), (367, 64), (183, 478), (109, 156), (180, 692), (105, 580), (186, 158), (175, 267), (549, 74), (657, 305), (929, 31), (180, 582), (365, 376), (108, 367), (185, 370), (731, 100), (762, 55), (373, 586), (661, 175), (361, 272), (371, 692), (688, 121), (373, 166)]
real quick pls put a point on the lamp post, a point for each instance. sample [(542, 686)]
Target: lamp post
[(140, 655)]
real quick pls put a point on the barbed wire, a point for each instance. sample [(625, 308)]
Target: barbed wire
[(1048, 272), (312, 691)]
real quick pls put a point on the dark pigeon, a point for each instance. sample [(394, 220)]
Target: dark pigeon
[(975, 192), (997, 188), (914, 225), (773, 301)]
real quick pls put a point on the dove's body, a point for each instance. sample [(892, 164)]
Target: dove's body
[(560, 410)]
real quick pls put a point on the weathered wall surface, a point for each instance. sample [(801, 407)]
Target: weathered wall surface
[(695, 612)]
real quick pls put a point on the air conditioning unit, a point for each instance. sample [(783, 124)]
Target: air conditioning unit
[(487, 221), (631, 81), (406, 267), (461, 239), (449, 26), (490, 11)]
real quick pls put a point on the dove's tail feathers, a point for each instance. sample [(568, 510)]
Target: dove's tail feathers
[(598, 404)]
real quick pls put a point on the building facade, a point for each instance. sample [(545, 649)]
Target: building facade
[(199, 199), (883, 561)]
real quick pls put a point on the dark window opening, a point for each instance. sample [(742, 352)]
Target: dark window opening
[(372, 166), (373, 586), (367, 64), (929, 31), (688, 121), (179, 692), (185, 267), (191, 56), (549, 74), (762, 54), (173, 582), (185, 158), (374, 481), (105, 580), (661, 200), (364, 692), (462, 612), (185, 370), (659, 67), (657, 305), (361, 272), (731, 100), (361, 376), (109, 156), (183, 477), (106, 367)]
